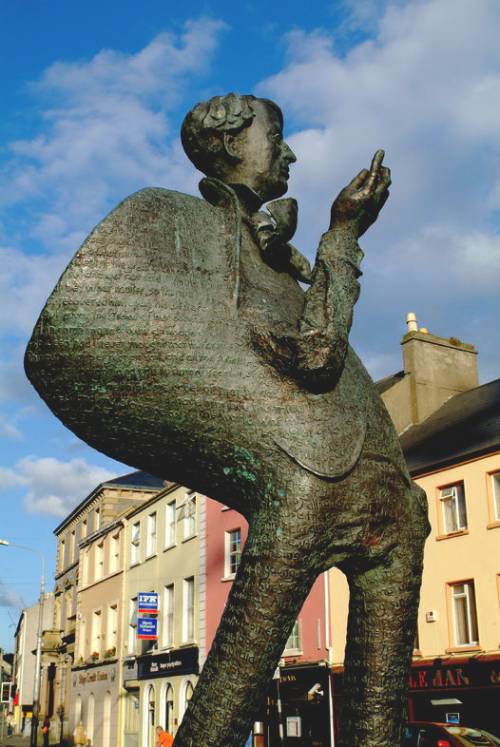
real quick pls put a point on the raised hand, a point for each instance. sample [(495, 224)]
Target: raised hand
[(359, 204)]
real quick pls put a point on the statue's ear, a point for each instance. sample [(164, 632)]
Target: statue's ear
[(232, 146)]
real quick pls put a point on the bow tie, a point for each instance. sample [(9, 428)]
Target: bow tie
[(273, 230)]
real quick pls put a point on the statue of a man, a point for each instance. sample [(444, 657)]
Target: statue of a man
[(179, 340)]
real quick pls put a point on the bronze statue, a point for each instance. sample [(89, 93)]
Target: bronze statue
[(180, 341)]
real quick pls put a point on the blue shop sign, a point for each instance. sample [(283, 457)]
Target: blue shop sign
[(147, 601), (147, 628)]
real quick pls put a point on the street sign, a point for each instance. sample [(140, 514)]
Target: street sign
[(147, 602), (147, 628)]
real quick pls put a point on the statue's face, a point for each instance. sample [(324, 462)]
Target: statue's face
[(264, 156)]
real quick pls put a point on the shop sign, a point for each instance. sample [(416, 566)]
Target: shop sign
[(147, 602), (147, 628), (474, 674), (181, 661)]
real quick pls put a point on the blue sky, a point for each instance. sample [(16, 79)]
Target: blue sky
[(92, 98)]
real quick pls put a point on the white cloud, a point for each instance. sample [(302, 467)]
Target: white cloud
[(10, 598), (107, 132), (427, 90), (52, 486), (9, 429)]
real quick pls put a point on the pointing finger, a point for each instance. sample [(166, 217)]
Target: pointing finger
[(375, 169)]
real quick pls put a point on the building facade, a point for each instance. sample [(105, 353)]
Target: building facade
[(450, 433), (162, 556)]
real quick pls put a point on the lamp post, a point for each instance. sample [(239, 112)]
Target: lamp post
[(36, 683)]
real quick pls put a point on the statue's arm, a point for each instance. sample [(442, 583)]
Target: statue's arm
[(320, 344), (315, 353)]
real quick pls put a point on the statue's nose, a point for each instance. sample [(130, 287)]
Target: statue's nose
[(289, 154)]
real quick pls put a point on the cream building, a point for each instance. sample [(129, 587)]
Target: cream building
[(95, 697), (450, 433), (163, 554), (100, 507)]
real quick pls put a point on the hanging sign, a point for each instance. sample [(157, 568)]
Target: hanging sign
[(147, 628), (147, 602)]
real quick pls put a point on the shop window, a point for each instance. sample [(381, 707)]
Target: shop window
[(453, 510), (151, 535), (170, 523), (463, 602), (232, 552), (135, 543), (293, 642)]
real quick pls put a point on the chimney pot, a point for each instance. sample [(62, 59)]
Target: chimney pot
[(411, 321)]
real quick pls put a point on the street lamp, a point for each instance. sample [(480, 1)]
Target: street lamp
[(36, 683)]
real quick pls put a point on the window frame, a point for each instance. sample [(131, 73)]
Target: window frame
[(472, 620), (168, 618), (231, 555), (459, 511), (188, 609), (189, 521), (170, 524), (151, 534), (135, 543), (296, 633), (493, 491)]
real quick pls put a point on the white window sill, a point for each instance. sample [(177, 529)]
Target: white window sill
[(292, 652), (169, 547), (190, 537), (152, 555), (229, 577)]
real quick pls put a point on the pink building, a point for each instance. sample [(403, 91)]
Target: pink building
[(226, 533)]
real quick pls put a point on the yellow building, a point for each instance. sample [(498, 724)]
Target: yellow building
[(450, 433), (163, 555)]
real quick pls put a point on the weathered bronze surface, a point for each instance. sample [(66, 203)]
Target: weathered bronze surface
[(179, 341)]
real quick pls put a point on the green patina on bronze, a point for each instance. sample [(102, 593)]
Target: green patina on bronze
[(179, 340)]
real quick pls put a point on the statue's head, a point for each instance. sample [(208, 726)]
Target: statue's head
[(239, 139)]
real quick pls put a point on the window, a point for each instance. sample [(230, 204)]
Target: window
[(495, 479), (190, 516), (82, 643), (99, 560), (97, 519), (232, 552), (62, 549), (170, 510), (84, 560), (293, 642), (188, 610), (151, 535), (96, 634), (132, 625), (84, 529), (72, 543), (115, 553), (463, 601), (68, 611), (168, 616), (454, 515), (135, 543), (111, 630)]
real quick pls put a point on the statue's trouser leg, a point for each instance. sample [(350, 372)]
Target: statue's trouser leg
[(381, 632), (266, 598)]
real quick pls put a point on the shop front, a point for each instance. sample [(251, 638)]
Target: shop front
[(163, 688), (95, 698), (463, 690), (298, 708)]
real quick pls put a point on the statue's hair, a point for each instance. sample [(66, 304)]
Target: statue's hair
[(204, 126)]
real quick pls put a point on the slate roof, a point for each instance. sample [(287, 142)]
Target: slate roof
[(382, 385), (466, 426), (137, 479)]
